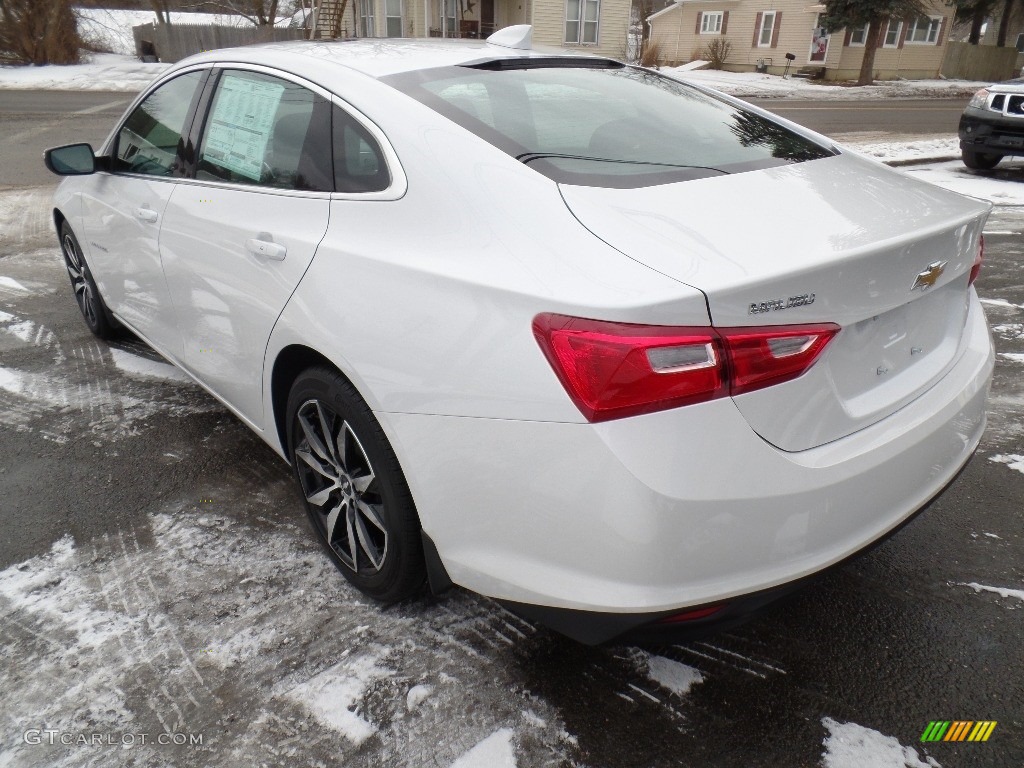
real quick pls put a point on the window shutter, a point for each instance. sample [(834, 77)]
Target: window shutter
[(942, 30), (775, 29), (903, 32), (725, 21), (697, 30), (846, 39), (757, 28)]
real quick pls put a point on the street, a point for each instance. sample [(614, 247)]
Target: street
[(157, 569)]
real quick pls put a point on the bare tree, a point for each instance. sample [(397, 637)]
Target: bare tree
[(262, 13), (34, 32)]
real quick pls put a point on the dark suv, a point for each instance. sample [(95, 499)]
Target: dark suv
[(992, 125)]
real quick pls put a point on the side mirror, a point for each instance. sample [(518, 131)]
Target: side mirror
[(71, 160)]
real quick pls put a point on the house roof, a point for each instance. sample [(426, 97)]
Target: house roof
[(679, 3)]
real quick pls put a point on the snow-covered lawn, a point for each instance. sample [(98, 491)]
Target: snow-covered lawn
[(754, 85)]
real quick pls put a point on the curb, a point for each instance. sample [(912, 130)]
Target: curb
[(921, 160)]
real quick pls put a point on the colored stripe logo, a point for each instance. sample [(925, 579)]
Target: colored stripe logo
[(958, 730)]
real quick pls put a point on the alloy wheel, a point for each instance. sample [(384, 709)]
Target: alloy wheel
[(80, 281), (341, 486)]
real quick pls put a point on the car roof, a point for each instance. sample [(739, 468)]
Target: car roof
[(377, 57)]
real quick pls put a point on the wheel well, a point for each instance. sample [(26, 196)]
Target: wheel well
[(58, 219), (291, 361)]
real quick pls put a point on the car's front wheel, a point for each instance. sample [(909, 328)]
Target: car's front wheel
[(355, 493), (87, 295), (980, 161)]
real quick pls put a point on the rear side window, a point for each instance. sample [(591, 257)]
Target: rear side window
[(150, 140), (603, 124), (266, 131), (358, 161)]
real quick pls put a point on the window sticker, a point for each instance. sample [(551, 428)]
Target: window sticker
[(240, 125)]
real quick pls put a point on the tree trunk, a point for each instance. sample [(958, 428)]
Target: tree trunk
[(977, 21), (1004, 23), (867, 66)]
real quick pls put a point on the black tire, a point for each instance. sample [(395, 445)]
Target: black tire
[(95, 313), (374, 537), (980, 161)]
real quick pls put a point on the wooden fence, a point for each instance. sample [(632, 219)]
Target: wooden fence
[(978, 62), (176, 41)]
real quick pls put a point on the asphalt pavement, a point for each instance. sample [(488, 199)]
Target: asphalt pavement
[(157, 576)]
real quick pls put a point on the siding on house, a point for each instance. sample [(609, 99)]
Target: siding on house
[(549, 26), (676, 31)]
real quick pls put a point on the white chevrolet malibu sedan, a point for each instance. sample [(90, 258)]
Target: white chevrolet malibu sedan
[(628, 355)]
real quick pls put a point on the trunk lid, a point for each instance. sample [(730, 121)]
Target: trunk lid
[(841, 240)]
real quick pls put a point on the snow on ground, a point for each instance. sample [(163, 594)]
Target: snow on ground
[(1001, 591), (754, 85), (100, 72), (1013, 461), (110, 29), (134, 365), (849, 745), (672, 675), (493, 752), (123, 634), (900, 150), (954, 176)]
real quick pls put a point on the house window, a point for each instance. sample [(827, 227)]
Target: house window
[(924, 30), (581, 21), (393, 17), (892, 34), (764, 34), (366, 18), (859, 35), (1020, 43), (711, 23)]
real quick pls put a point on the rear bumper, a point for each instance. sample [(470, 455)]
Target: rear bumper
[(990, 132), (647, 516)]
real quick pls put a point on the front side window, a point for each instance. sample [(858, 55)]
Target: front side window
[(606, 124), (267, 131), (393, 14), (859, 35), (924, 30), (581, 17), (892, 33), (150, 141), (711, 23), (764, 37)]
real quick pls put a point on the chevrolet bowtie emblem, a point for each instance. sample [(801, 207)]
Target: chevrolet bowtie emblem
[(930, 276)]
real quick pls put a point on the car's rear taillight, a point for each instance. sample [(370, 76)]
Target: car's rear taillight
[(611, 370), (977, 261), (760, 357)]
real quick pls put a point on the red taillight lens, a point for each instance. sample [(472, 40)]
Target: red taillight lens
[(760, 357), (977, 261), (612, 370), (694, 615)]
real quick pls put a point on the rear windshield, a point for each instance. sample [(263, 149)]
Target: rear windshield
[(605, 124)]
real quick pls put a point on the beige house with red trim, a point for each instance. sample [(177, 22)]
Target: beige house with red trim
[(597, 26), (762, 32)]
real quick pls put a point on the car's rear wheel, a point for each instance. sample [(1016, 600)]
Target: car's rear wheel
[(354, 490), (87, 295), (980, 161)]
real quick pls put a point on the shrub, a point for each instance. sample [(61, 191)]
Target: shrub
[(649, 54), (38, 32), (717, 51)]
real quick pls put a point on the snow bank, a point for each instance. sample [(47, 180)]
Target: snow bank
[(849, 745)]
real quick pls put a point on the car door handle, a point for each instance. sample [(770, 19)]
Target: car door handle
[(266, 249), (147, 214)]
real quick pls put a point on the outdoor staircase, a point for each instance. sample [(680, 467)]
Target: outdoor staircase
[(329, 21)]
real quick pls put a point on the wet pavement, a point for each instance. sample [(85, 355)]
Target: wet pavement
[(157, 576)]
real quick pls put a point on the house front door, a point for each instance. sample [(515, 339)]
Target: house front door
[(486, 17), (819, 42)]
